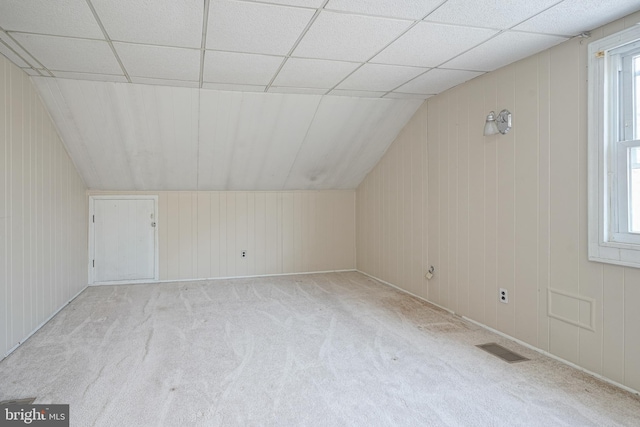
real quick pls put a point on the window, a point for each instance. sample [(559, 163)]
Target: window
[(614, 148)]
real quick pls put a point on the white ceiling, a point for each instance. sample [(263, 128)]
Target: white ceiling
[(142, 137), (239, 94), (371, 48)]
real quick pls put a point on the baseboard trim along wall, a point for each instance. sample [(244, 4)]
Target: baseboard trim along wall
[(522, 343), (554, 357), (12, 349), (219, 278)]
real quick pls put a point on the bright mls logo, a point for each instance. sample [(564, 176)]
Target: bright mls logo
[(34, 415)]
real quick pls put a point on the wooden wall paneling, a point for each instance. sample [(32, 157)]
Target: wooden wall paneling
[(173, 235), (433, 201), (5, 208), (271, 233), (288, 232), (17, 217), (261, 233), (231, 225), (42, 214), (305, 226), (406, 209), (251, 231), (466, 134), (631, 322), (214, 230), (564, 199), (613, 315), (223, 235), (204, 239), (443, 200), (163, 246), (453, 165), (589, 273), (392, 231), (297, 232), (325, 217), (544, 197), (491, 210), (477, 115), (242, 239), (416, 231), (505, 177), (526, 195), (522, 197)]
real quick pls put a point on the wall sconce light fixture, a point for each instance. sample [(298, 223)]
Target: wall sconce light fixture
[(494, 124)]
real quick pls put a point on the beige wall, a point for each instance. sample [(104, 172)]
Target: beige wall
[(201, 233), (43, 224), (505, 212)]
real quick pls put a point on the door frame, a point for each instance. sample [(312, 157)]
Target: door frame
[(92, 248)]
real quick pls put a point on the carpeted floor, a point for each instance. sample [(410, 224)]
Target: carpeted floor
[(333, 349)]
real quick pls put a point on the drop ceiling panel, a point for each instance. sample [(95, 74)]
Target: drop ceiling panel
[(301, 3), (159, 62), (501, 15), (429, 45), (160, 22), (572, 17), (490, 55), (87, 76), (31, 71), (299, 90), (60, 17), (66, 54), (241, 88), (255, 27), (407, 9), (310, 73), (11, 56), (17, 50), (357, 93), (376, 77), (400, 95), (165, 82), (437, 80), (348, 37), (240, 68)]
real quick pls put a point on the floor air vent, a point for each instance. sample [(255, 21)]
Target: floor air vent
[(27, 401), (502, 353)]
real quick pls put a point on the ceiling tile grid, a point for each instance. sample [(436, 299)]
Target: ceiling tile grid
[(261, 94), (292, 46)]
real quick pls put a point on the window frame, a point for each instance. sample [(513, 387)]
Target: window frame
[(607, 210)]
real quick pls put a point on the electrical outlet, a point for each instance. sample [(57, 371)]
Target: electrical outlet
[(503, 295), (244, 254)]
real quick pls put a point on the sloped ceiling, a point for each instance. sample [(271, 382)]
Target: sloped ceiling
[(141, 137), (319, 88)]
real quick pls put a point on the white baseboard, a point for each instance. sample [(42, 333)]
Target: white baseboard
[(516, 340), (407, 292), (137, 282), (12, 349)]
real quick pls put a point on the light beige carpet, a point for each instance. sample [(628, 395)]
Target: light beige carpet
[(334, 349)]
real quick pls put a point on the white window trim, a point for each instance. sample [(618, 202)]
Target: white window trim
[(602, 247)]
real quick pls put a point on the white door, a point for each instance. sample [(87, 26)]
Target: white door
[(124, 239)]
